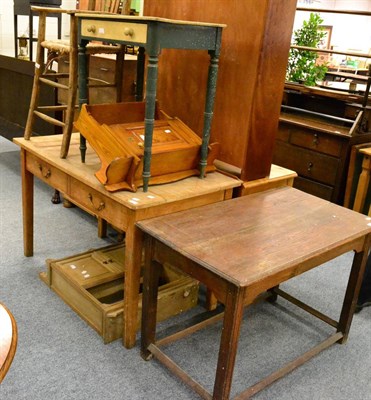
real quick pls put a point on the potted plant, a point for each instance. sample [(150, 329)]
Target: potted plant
[(302, 66)]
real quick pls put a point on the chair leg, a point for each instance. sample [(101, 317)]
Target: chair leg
[(56, 199), (72, 90), (36, 82)]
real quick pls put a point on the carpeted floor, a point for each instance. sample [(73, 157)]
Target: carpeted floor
[(60, 357)]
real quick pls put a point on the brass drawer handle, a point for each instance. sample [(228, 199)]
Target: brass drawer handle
[(316, 139), (128, 31), (101, 204), (310, 165), (91, 28), (104, 69), (47, 174)]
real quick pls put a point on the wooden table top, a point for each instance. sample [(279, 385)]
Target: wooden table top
[(141, 19), (366, 151), (48, 148), (277, 233)]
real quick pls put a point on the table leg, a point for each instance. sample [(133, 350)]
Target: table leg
[(209, 106), (27, 206), (151, 87), (228, 344), (149, 303), (352, 292), (83, 87), (140, 74), (133, 259)]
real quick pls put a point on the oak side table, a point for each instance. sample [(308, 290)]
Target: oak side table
[(242, 248)]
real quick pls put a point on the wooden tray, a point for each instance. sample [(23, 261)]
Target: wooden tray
[(92, 284), (116, 133)]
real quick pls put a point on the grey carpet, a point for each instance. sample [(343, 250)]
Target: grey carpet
[(60, 357)]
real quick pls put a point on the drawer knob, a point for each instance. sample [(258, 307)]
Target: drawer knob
[(310, 165), (128, 31), (101, 205), (46, 174), (91, 28), (315, 139)]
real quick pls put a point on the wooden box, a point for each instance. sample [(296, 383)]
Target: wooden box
[(92, 285), (116, 133)]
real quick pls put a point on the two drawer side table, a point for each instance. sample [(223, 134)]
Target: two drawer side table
[(152, 35)]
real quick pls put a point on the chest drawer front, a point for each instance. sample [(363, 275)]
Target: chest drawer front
[(114, 30), (47, 173), (317, 189), (310, 139), (307, 163), (283, 132), (98, 204), (102, 68)]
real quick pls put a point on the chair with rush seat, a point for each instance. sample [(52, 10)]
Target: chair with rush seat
[(44, 74)]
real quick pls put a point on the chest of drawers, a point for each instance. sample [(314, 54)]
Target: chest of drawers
[(319, 154), (317, 145)]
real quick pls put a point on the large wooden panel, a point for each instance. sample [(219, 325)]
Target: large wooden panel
[(253, 61), (16, 78)]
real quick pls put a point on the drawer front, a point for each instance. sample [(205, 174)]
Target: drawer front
[(99, 68), (312, 140), (283, 132), (317, 189), (307, 163), (47, 173), (114, 30), (102, 68), (98, 204)]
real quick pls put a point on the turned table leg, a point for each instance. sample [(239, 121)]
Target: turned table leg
[(27, 206)]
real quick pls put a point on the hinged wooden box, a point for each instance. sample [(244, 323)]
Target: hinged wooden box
[(92, 284), (116, 133)]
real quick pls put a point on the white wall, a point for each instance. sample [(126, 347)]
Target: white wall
[(349, 32), (7, 25)]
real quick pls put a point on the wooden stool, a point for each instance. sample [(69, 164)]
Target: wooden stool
[(44, 74), (364, 180), (8, 340)]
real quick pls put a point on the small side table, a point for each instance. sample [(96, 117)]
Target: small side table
[(152, 35), (242, 248), (363, 182)]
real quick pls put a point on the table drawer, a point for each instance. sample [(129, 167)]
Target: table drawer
[(98, 204), (46, 172), (114, 30), (311, 139), (307, 163)]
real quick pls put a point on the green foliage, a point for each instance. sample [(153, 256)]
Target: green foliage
[(301, 65)]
